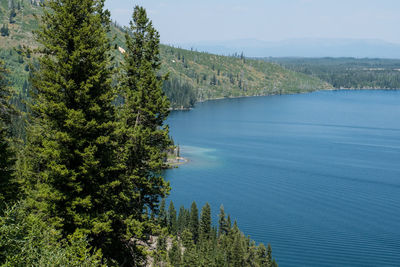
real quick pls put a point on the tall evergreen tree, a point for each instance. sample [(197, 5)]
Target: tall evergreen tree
[(181, 221), (205, 222), (237, 251), (222, 223), (7, 184), (142, 133), (172, 223), (74, 176), (194, 221), (162, 218), (175, 254)]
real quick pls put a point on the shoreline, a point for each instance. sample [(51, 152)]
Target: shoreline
[(275, 94), (177, 161)]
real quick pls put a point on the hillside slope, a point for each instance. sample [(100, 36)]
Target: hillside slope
[(194, 76), (220, 76)]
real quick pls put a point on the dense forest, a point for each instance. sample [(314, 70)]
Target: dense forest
[(81, 173), (349, 73), (196, 242)]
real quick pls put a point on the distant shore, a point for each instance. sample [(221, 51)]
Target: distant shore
[(278, 93)]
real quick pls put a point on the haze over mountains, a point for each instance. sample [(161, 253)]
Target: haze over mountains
[(306, 47)]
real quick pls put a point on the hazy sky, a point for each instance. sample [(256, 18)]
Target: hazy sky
[(186, 21)]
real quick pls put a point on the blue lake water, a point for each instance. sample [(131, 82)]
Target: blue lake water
[(316, 175)]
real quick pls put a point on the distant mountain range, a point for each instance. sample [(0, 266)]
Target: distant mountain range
[(308, 47)]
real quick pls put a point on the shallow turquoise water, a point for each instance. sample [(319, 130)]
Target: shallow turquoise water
[(316, 175)]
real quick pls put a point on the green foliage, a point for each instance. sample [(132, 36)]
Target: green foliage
[(172, 223), (181, 94), (144, 136), (162, 218), (141, 133), (8, 187), (213, 76), (73, 175), (205, 222), (175, 254), (229, 248), (222, 222), (27, 240), (194, 221)]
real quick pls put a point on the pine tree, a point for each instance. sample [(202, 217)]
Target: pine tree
[(143, 137), (237, 251), (262, 256), (187, 239), (189, 257), (229, 223), (205, 222), (73, 174), (175, 254), (181, 222), (12, 16), (4, 31), (172, 218), (162, 218), (194, 221), (8, 186), (222, 223)]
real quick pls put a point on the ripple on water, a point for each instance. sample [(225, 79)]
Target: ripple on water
[(316, 175)]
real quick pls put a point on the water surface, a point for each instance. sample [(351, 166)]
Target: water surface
[(316, 175)]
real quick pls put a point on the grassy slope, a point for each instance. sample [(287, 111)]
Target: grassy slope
[(198, 69), (255, 77), (20, 34)]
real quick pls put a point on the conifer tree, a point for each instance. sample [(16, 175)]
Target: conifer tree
[(7, 184), (175, 254), (73, 176), (162, 218), (223, 228), (181, 221), (4, 31), (194, 221), (229, 223), (205, 222), (143, 137), (172, 224), (237, 251), (262, 256)]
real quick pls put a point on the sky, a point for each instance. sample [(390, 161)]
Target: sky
[(189, 21)]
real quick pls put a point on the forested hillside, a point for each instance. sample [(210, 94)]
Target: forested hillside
[(214, 76), (352, 73), (194, 76)]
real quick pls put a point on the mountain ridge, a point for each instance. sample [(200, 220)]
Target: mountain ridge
[(302, 47)]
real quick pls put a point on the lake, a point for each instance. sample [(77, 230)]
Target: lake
[(316, 175)]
